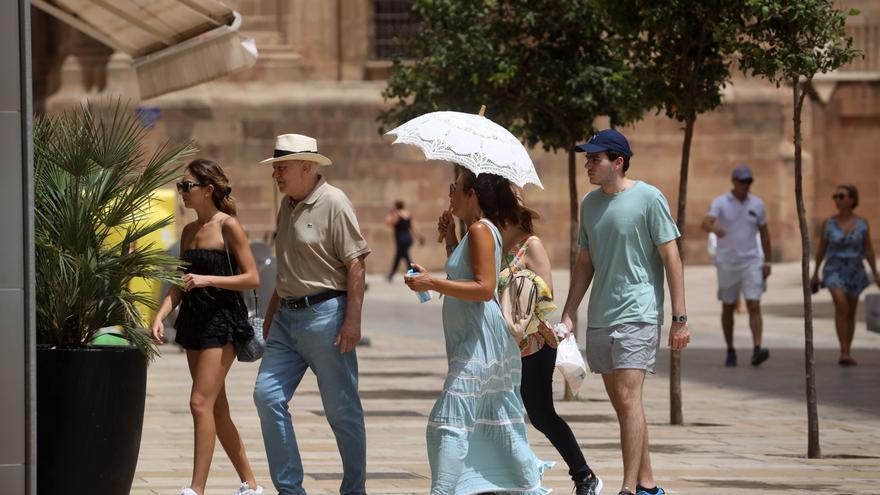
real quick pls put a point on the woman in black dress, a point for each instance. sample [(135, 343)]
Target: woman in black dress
[(212, 316), (400, 219)]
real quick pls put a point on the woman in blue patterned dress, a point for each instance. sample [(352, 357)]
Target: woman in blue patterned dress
[(476, 434), (845, 241)]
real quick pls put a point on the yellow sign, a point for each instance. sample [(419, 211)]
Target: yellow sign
[(161, 206)]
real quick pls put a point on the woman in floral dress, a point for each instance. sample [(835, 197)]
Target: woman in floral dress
[(524, 252), (844, 243)]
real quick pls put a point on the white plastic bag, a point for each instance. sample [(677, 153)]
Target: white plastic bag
[(872, 312), (571, 363)]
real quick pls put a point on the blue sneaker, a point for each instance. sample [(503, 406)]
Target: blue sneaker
[(641, 491)]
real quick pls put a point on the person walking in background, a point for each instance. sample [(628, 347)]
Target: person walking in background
[(314, 316), (525, 251), (476, 434), (212, 316), (401, 221), (737, 218), (844, 242), (627, 241)]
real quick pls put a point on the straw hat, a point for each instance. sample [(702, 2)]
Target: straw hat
[(297, 147)]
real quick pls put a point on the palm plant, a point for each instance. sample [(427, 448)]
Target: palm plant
[(93, 187)]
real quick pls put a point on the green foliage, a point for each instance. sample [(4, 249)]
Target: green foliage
[(789, 42), (680, 51), (786, 40), (93, 186), (545, 69)]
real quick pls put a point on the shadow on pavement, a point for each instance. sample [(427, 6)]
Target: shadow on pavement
[(821, 309), (856, 387)]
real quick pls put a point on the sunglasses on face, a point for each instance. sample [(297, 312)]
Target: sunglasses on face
[(185, 186), (452, 187), (839, 196), (744, 181)]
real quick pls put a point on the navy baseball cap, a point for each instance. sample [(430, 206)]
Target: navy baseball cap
[(607, 140), (742, 172)]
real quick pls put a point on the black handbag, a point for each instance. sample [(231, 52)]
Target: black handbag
[(249, 349)]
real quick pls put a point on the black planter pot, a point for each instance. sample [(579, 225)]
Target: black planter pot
[(90, 413)]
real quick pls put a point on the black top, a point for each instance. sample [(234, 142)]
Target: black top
[(401, 229), (210, 316)]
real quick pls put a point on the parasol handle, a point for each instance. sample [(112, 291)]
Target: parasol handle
[(482, 110)]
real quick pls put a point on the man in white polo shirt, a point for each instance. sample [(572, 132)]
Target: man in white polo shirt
[(736, 218), (314, 317)]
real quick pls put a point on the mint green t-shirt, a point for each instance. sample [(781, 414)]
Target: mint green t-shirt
[(622, 231)]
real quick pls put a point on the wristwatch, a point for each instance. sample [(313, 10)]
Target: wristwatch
[(679, 318)]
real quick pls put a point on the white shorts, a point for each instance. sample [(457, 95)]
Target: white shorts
[(747, 278)]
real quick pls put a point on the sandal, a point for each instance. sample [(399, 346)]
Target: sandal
[(847, 361)]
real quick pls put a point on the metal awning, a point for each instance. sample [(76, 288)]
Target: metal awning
[(173, 44)]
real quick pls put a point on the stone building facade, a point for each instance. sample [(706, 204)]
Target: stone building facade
[(321, 70)]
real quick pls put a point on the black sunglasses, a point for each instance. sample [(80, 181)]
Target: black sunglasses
[(839, 196), (185, 186), (744, 181)]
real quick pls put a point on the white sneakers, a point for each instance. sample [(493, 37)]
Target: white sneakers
[(245, 489)]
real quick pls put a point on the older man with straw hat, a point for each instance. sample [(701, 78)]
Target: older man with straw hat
[(314, 316)]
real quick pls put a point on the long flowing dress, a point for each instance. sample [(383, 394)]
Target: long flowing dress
[(476, 434)]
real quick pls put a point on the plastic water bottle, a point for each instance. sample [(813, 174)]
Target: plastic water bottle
[(424, 296)]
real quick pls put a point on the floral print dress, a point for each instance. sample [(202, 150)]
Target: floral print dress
[(844, 254), (539, 332)]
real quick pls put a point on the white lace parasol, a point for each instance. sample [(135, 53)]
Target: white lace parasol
[(470, 140)]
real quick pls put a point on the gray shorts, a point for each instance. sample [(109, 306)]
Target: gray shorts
[(623, 346)]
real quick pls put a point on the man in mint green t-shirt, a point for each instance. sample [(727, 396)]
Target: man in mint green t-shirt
[(627, 242)]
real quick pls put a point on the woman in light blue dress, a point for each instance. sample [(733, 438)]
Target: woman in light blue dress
[(476, 432), (844, 243)]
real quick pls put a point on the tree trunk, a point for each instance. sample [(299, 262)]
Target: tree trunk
[(573, 246), (813, 449), (676, 413)]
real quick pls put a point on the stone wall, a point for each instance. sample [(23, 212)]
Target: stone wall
[(846, 141), (240, 132), (316, 54), (236, 125)]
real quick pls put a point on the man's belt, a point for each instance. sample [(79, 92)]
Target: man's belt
[(297, 303)]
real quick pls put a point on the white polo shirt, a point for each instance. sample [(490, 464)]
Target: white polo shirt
[(741, 220)]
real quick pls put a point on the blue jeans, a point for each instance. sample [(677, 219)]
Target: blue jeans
[(299, 340)]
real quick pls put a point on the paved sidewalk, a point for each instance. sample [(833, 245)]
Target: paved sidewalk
[(745, 431)]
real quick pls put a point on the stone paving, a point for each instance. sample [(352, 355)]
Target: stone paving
[(745, 428)]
